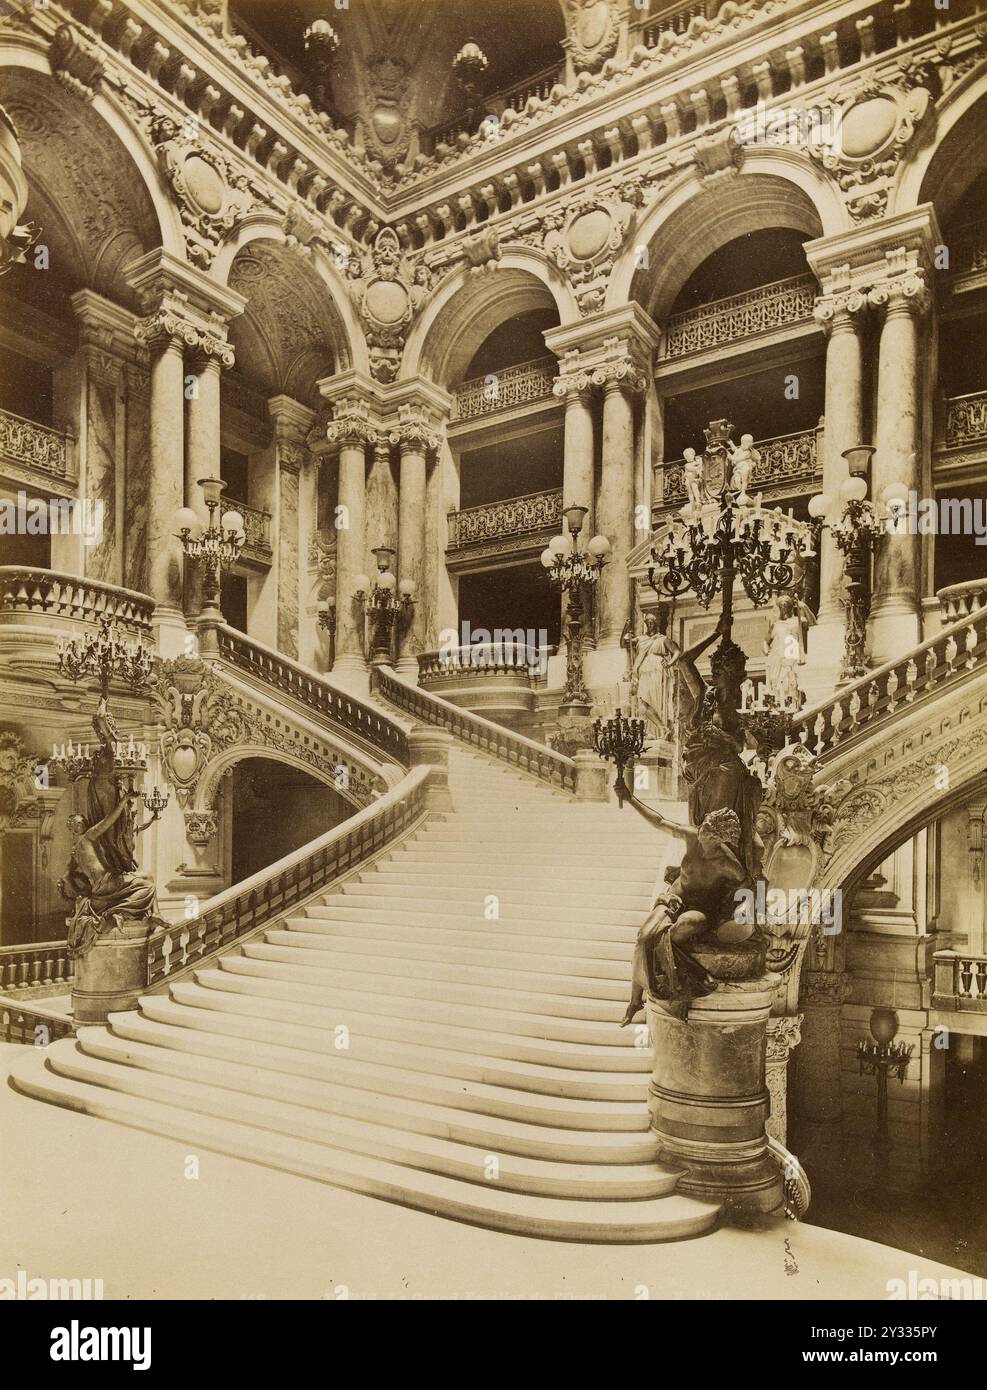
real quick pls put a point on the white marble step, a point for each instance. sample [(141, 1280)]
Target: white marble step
[(581, 957), (326, 980), (517, 908), (400, 869), (391, 1079), (639, 1220), (459, 1025), (459, 892), (551, 1070), (456, 1121), (591, 930), (379, 1138), (604, 942), (482, 972)]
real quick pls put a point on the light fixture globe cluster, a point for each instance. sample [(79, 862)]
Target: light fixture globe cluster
[(567, 564), (384, 601), (852, 518), (206, 543)]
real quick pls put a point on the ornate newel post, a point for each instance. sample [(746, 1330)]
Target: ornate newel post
[(708, 1097)]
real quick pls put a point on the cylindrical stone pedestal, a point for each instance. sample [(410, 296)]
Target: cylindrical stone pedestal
[(431, 747), (112, 975), (708, 1097)]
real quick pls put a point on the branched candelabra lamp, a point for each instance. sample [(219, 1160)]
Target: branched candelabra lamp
[(103, 656), (619, 740), (385, 604), (574, 572), (722, 534), (883, 1058), (212, 548), (857, 525)]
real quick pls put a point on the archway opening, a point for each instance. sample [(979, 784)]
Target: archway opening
[(275, 809)]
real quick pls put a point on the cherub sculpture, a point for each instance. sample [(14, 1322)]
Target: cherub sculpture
[(744, 458)]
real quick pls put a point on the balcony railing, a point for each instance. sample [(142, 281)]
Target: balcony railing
[(39, 965), (530, 515), (960, 600), (968, 248), (30, 445), (966, 420), (675, 19), (513, 98), (33, 595), (960, 982), (498, 679), (512, 386), (786, 458), (778, 305), (256, 524)]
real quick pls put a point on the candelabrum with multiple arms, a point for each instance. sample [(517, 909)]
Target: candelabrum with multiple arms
[(385, 604), (857, 525), (212, 549), (575, 572), (881, 1058)]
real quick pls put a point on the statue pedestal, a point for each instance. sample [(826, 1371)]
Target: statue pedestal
[(112, 975), (708, 1096)]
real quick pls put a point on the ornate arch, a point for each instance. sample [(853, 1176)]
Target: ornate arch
[(292, 333), (467, 307), (359, 790), (940, 171), (694, 217)]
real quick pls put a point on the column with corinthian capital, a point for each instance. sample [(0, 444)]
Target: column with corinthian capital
[(841, 317), (622, 382), (293, 520), (352, 431), (416, 440), (575, 387), (896, 601)]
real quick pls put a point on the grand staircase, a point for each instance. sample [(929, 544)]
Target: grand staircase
[(439, 1031)]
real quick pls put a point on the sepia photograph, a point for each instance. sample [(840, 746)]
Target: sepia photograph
[(493, 663)]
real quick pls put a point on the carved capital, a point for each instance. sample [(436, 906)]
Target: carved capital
[(902, 294), (784, 1034), (200, 826), (839, 313)]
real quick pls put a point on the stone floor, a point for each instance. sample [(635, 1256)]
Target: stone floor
[(84, 1198), (947, 1222)]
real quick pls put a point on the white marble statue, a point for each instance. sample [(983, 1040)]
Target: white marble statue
[(653, 680), (693, 475), (785, 653), (743, 460)]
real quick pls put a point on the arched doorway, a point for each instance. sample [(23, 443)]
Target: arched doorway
[(275, 809)]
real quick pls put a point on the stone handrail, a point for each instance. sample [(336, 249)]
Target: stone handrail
[(510, 386), (509, 747), (960, 600), (46, 593), (483, 656), (709, 325), (798, 1192), (960, 981), (514, 516), (514, 98), (941, 662), (308, 689), (966, 420), (37, 446), (273, 891), (674, 19), (30, 1022), (35, 965)]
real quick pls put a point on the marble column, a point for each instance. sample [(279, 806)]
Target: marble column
[(350, 431), (202, 445), (166, 340), (292, 520), (577, 468), (816, 1128), (895, 604), (415, 441), (615, 502), (841, 317), (382, 499)]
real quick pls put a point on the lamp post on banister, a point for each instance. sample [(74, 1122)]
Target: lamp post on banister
[(212, 548), (857, 525), (574, 572)]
